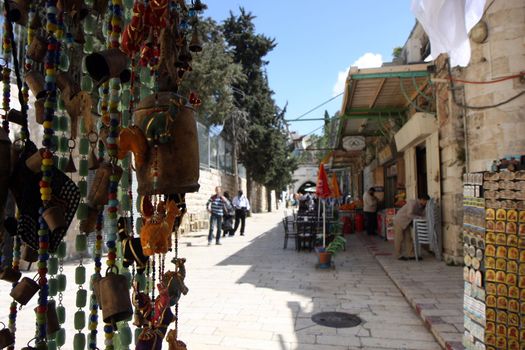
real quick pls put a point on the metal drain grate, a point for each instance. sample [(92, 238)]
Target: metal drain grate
[(336, 319)]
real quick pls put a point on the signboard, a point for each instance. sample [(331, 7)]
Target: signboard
[(386, 154), (354, 143)]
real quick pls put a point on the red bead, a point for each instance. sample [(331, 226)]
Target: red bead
[(41, 309), (47, 154), (112, 209), (42, 271), (112, 256), (112, 196), (43, 184), (42, 281)]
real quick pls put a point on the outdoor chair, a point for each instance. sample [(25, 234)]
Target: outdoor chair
[(421, 236), (288, 233), (306, 234)]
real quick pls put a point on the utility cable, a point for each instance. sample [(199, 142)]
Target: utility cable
[(316, 108)]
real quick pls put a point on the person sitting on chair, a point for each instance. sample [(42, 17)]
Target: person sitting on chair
[(414, 209)]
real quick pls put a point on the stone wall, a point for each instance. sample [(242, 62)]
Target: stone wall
[(494, 133)]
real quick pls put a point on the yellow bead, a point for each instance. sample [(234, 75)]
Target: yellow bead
[(47, 161), (47, 124)]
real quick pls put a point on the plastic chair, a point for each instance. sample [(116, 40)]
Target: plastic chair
[(421, 235)]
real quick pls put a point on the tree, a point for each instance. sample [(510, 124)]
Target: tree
[(213, 76)]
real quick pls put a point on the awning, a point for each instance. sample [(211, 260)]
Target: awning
[(373, 96)]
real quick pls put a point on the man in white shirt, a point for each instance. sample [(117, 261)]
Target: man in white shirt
[(370, 211), (242, 206)]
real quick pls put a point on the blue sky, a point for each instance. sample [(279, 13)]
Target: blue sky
[(318, 41)]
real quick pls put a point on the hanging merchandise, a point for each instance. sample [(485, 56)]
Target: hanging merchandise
[(111, 90)]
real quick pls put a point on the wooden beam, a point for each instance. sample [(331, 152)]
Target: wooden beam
[(374, 99), (415, 94)]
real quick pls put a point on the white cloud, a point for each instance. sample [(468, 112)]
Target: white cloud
[(368, 60)]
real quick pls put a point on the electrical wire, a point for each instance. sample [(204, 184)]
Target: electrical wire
[(510, 77), (478, 108), (315, 108)]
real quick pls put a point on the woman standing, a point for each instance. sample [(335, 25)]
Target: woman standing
[(229, 213)]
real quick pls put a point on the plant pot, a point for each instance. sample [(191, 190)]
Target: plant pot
[(325, 260)]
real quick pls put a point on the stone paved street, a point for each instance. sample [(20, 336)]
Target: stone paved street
[(249, 293)]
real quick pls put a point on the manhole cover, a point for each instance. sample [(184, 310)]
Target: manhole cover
[(336, 319)]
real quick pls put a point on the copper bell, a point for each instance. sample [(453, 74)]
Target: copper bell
[(70, 167), (17, 117), (55, 218), (24, 290), (10, 275), (6, 337), (115, 298), (36, 83), (29, 254), (195, 43), (111, 63), (38, 49)]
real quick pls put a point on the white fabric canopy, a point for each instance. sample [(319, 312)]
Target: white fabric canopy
[(447, 23)]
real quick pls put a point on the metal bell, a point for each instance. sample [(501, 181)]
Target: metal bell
[(195, 43), (115, 298), (70, 167)]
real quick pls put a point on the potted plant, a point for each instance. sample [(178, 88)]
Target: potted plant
[(325, 254)]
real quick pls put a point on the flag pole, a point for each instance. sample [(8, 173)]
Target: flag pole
[(324, 223)]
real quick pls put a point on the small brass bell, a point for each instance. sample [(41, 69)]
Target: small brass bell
[(93, 162), (195, 43), (70, 167)]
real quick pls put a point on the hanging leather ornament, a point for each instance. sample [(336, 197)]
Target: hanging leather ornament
[(195, 43), (38, 49), (98, 193), (133, 139), (155, 235)]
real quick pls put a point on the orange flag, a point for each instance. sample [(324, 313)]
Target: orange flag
[(336, 193), (322, 189)]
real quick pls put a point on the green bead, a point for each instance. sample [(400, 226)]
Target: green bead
[(62, 282), (52, 336), (63, 145), (80, 275), (53, 286), (81, 298), (81, 244), (62, 163), (61, 313), (89, 24), (64, 123), (89, 44), (61, 250), (56, 124), (86, 83), (124, 180), (141, 279), (54, 140), (82, 211), (83, 146), (125, 335), (64, 63), (82, 187), (41, 346), (51, 344), (61, 337), (125, 165), (125, 97), (52, 266), (79, 341), (80, 320), (83, 167), (61, 105), (125, 203)]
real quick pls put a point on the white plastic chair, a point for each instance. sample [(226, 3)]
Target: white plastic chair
[(421, 235)]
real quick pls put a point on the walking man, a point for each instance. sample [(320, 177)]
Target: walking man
[(403, 244), (370, 211), (242, 206), (215, 207)]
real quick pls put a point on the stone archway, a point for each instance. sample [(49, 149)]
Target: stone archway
[(306, 185)]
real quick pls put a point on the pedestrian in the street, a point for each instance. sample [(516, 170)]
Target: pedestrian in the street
[(229, 214), (413, 209), (242, 206), (215, 207), (370, 210)]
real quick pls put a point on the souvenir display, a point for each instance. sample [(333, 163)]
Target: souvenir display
[(502, 293), (104, 75)]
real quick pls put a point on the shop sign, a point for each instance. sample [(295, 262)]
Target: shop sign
[(354, 143)]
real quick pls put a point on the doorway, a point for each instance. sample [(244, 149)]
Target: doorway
[(421, 168)]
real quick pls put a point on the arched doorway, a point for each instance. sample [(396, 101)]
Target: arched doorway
[(306, 185)]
